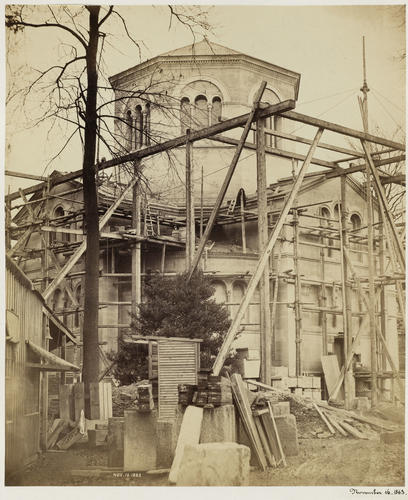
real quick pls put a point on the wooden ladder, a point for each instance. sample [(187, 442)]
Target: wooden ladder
[(148, 221), (231, 206)]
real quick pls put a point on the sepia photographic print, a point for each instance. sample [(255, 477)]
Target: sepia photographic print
[(204, 249)]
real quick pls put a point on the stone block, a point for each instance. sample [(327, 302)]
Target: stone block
[(140, 442), (281, 371), (308, 393), (214, 464), (392, 437), (317, 383), (281, 409), (298, 391), (189, 435), (115, 441), (287, 430), (316, 394), (167, 434), (96, 437), (307, 382), (242, 438), (219, 425), (292, 382)]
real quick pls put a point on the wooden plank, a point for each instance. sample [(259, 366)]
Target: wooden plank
[(54, 435), (340, 129), (270, 458), (82, 248), (22, 175), (226, 182), (322, 145), (271, 436), (279, 152), (351, 430), (335, 424), (94, 400), (278, 441), (331, 372), (190, 431), (79, 400), (195, 135), (66, 402), (235, 325), (386, 209), (190, 220), (69, 439), (264, 285), (239, 393), (324, 418)]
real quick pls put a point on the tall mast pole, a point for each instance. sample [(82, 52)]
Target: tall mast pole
[(370, 240)]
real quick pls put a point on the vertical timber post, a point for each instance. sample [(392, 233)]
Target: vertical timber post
[(371, 290), (323, 300), (298, 320), (264, 288), (383, 312), (242, 210), (347, 314), (136, 249), (190, 219), (202, 202)]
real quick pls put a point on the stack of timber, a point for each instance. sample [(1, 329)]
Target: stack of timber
[(210, 392), (63, 434), (261, 429), (337, 421)]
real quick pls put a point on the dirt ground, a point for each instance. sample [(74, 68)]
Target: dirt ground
[(321, 462)]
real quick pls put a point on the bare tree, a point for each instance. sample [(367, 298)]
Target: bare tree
[(75, 92)]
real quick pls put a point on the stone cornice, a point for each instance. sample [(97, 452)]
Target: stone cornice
[(151, 65)]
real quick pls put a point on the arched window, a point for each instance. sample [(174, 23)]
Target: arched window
[(185, 114), (336, 212), (216, 110), (220, 291), (146, 125), (325, 215), (129, 130), (54, 236), (355, 222), (356, 225), (138, 127), (77, 315), (201, 112)]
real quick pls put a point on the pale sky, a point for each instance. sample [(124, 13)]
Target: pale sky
[(323, 43)]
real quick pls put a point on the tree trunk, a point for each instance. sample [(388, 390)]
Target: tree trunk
[(90, 326)]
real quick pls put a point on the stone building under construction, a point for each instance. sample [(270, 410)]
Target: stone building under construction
[(311, 301)]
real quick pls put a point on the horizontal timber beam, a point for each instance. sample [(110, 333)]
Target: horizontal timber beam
[(194, 135), (276, 152), (340, 129), (12, 173)]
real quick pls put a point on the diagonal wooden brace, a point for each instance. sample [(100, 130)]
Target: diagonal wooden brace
[(386, 209), (227, 180), (233, 330)]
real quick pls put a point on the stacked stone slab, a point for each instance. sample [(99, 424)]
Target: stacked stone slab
[(305, 386), (214, 464)]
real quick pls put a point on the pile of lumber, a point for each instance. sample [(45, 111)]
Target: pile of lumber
[(337, 421), (63, 434), (260, 427)]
